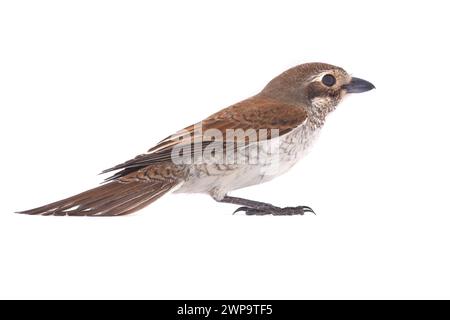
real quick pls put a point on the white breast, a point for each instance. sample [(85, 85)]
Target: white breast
[(275, 157)]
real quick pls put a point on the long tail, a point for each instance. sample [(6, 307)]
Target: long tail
[(115, 198)]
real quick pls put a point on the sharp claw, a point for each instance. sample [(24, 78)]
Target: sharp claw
[(307, 209), (241, 209)]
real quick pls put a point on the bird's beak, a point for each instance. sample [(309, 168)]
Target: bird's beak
[(358, 85)]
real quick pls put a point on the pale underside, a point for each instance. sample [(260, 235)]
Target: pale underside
[(276, 156), (297, 126)]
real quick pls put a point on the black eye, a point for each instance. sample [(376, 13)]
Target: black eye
[(328, 80)]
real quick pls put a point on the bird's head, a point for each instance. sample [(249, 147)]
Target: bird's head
[(318, 87)]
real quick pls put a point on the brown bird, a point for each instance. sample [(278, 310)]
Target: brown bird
[(248, 143)]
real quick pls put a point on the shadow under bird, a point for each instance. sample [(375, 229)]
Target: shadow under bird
[(294, 105)]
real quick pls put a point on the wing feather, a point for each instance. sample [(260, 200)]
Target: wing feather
[(258, 113)]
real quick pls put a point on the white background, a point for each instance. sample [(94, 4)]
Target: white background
[(85, 85)]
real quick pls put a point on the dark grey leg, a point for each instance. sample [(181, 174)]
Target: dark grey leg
[(251, 207)]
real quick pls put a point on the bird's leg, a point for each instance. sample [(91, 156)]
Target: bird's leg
[(251, 207)]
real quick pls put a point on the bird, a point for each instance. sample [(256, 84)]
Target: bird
[(245, 144)]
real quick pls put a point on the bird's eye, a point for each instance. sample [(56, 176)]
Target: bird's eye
[(328, 80)]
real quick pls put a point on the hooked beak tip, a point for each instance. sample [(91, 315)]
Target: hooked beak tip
[(357, 85)]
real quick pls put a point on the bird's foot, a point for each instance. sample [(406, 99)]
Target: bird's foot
[(275, 211)]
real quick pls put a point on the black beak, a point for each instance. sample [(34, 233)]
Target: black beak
[(357, 85)]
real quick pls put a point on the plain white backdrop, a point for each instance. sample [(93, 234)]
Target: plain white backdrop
[(88, 84)]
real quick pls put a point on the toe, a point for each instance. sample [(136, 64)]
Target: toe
[(251, 211)]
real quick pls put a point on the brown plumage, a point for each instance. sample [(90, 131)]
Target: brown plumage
[(254, 113), (295, 104)]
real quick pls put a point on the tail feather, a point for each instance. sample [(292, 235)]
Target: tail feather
[(111, 199)]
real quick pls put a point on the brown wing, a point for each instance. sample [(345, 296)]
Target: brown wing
[(256, 113)]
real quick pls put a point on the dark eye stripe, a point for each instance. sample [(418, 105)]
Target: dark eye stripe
[(328, 80)]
